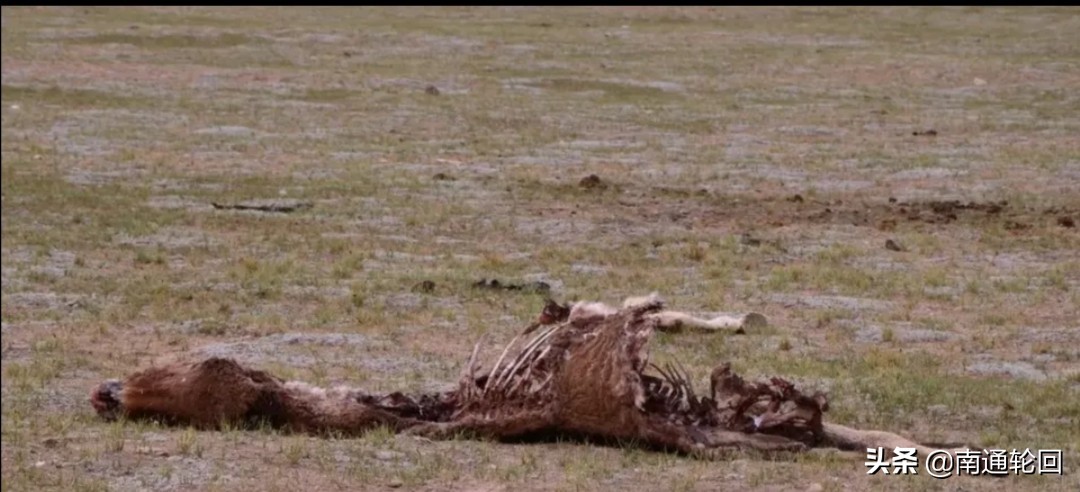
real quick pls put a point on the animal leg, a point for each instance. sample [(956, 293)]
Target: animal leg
[(675, 321), (496, 427), (705, 442), (849, 439)]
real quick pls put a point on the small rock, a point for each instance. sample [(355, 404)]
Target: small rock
[(395, 483), (39, 464), (978, 82), (815, 487), (432, 90), (893, 245), (591, 181)]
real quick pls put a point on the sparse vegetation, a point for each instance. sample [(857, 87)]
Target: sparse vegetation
[(122, 125)]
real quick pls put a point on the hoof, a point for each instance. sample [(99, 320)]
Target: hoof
[(754, 321)]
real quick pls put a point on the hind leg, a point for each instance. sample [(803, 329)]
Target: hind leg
[(710, 443), (499, 427)]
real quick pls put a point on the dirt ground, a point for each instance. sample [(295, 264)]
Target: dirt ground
[(896, 189)]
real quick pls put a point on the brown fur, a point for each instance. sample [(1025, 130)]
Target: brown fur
[(587, 376), (215, 391)]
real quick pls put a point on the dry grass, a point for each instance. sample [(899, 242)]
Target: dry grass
[(121, 126)]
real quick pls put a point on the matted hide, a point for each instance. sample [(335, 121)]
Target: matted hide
[(588, 376)]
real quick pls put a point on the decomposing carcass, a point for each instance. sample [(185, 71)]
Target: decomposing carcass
[(586, 375)]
